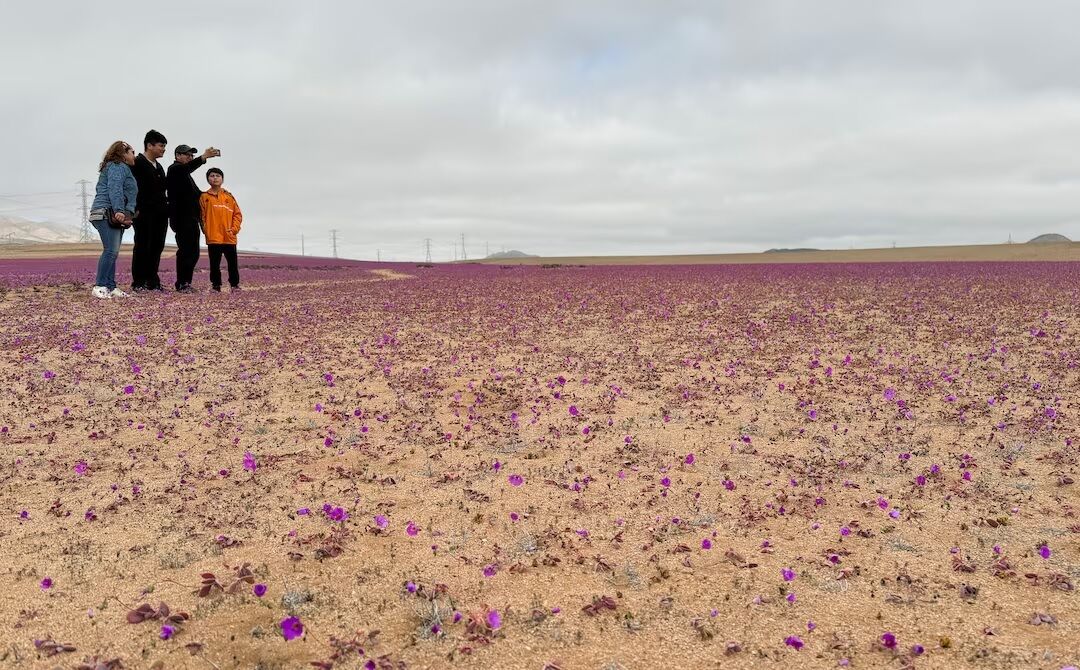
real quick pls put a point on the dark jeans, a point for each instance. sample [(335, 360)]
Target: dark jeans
[(187, 251), (146, 257), (216, 251)]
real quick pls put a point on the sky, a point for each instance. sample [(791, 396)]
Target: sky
[(557, 128)]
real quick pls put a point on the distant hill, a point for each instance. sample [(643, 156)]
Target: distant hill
[(513, 253), (787, 251), (17, 230), (1048, 238)]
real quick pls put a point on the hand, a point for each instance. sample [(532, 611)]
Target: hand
[(211, 152), (119, 217)]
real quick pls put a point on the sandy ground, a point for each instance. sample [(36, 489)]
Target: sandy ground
[(869, 466)]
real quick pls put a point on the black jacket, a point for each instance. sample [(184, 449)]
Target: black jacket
[(152, 201), (183, 193)]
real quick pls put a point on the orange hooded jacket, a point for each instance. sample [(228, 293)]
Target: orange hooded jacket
[(221, 217)]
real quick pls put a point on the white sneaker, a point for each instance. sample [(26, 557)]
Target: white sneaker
[(100, 292), (117, 293)]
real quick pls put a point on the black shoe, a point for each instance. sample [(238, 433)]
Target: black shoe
[(216, 288), (186, 288)]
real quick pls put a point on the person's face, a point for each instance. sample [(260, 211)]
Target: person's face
[(155, 151), (214, 179), (184, 158), (129, 155)]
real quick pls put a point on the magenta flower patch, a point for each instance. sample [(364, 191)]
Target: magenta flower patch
[(259, 590), (291, 628), (516, 480)]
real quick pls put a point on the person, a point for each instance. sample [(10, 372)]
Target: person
[(184, 211), (112, 212), (151, 214), (221, 218)]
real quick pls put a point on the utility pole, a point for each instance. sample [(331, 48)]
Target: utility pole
[(84, 230), (378, 255), (464, 255), (301, 244), (333, 241), (427, 250)]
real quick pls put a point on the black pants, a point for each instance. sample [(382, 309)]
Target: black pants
[(150, 233), (216, 251), (187, 251)]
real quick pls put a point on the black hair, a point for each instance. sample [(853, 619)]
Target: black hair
[(214, 170), (153, 137)]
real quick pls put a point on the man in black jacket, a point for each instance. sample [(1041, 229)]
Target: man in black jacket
[(151, 214), (184, 211)]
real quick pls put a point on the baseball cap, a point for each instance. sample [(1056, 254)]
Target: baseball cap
[(185, 149)]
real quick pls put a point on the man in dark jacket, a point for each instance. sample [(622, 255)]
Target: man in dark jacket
[(151, 214), (184, 211)]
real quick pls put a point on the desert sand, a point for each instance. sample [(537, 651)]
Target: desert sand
[(349, 464)]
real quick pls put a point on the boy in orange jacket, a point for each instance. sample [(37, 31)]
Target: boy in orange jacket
[(221, 219)]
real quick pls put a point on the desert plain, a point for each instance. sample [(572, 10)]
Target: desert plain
[(819, 463)]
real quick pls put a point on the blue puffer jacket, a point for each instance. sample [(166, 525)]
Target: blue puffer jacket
[(116, 189)]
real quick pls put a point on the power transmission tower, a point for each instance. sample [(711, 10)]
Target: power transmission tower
[(301, 244), (333, 241), (427, 250), (487, 249), (464, 255), (85, 234), (378, 255)]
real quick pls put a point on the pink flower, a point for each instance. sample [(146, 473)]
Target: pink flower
[(689, 460), (788, 574), (516, 480), (167, 631), (411, 529), (249, 462), (494, 620), (381, 521), (1044, 551), (706, 544), (794, 642), (888, 640), (46, 583), (574, 410), (80, 468)]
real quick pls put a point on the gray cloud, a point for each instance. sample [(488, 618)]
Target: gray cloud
[(570, 128)]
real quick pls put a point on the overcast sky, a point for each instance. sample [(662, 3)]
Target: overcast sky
[(561, 128)]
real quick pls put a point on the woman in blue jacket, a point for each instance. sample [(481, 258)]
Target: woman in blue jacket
[(114, 203)]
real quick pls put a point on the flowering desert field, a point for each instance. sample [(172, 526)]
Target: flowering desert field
[(360, 465)]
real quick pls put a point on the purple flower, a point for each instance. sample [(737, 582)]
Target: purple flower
[(381, 521), (411, 529), (249, 462), (917, 650), (48, 374), (890, 394), (80, 468), (1044, 551), (706, 544), (410, 587), (129, 389), (490, 570), (812, 415), (574, 410), (689, 460), (729, 485), (794, 641), (167, 631), (888, 640), (46, 583), (810, 626), (1050, 413), (665, 482), (788, 574), (494, 620), (259, 590), (845, 531), (303, 511), (291, 628), (516, 480), (791, 597)]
